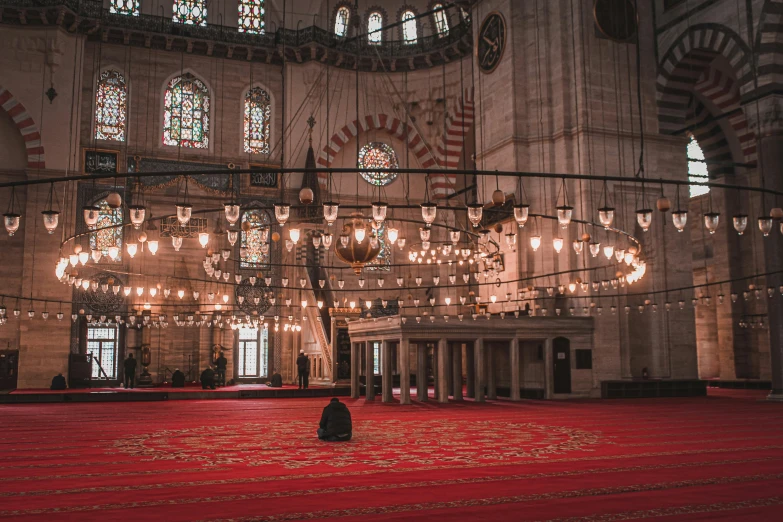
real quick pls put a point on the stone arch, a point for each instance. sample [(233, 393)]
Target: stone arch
[(27, 128), (382, 122), (769, 41), (684, 63)]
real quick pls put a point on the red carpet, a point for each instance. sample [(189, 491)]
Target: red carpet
[(714, 458)]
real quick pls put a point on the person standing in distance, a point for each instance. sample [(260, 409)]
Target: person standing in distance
[(302, 368), (130, 371)]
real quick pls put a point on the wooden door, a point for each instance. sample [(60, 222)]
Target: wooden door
[(561, 364), (9, 369)]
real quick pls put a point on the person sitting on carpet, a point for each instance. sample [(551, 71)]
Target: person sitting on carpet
[(208, 379), (335, 422), (177, 379), (276, 382), (58, 382)]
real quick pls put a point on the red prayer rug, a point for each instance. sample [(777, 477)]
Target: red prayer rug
[(713, 458)]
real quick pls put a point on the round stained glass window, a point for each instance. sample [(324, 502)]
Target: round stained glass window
[(378, 155)]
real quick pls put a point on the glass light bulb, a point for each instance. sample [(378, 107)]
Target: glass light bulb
[(521, 214), (740, 223), (232, 213), (711, 221), (644, 218), (765, 225), (330, 212), (475, 213), (595, 248), (578, 246), (51, 218), (428, 212), (359, 233), (606, 216), (184, 212), (326, 239), (137, 214), (608, 251), (132, 249), (282, 212), (153, 291), (180, 293), (11, 221), (225, 298), (126, 290), (379, 211), (558, 244), (294, 234), (203, 239), (535, 242), (139, 291), (84, 256), (564, 213), (392, 234), (153, 246), (680, 219)]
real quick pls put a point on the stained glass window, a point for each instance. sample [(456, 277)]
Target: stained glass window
[(378, 155), (124, 7), (191, 12), (254, 249), (186, 113), (102, 345), (441, 21), (374, 26), (111, 97), (341, 21), (251, 16), (105, 237), (383, 261), (253, 352), (409, 30), (697, 169), (257, 111)]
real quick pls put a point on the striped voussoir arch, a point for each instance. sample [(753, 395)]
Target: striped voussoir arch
[(382, 122), (721, 90), (711, 138), (685, 62), (449, 151), (27, 127), (769, 44)]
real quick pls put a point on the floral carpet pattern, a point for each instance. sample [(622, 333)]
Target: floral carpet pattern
[(713, 458)]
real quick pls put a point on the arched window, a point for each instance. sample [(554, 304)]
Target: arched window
[(192, 12), (254, 249), (253, 352), (257, 112), (441, 20), (251, 16), (409, 30), (341, 21), (378, 155), (186, 113), (124, 7), (103, 238), (374, 26), (697, 169), (111, 97)]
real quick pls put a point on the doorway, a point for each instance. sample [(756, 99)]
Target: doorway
[(561, 364), (9, 369)]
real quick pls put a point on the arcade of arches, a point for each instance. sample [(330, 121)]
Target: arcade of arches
[(548, 203)]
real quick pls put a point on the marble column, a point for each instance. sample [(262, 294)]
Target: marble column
[(386, 369), (356, 363), (470, 374), (479, 371), (456, 371), (442, 382), (403, 349), (369, 371), (514, 363), (421, 372), (492, 388)]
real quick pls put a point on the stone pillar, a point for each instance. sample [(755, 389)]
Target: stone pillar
[(479, 363), (514, 362), (470, 374), (405, 371), (356, 363), (549, 383), (369, 371), (421, 372), (456, 371), (449, 364), (771, 160), (386, 368), (442, 382), (492, 389)]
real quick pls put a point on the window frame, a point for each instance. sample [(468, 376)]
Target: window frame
[(262, 339), (242, 234), (695, 189), (372, 13), (96, 84), (119, 233), (161, 141), (250, 16), (445, 20), (403, 22), (270, 126), (375, 144), (113, 375), (202, 22), (337, 10), (134, 11)]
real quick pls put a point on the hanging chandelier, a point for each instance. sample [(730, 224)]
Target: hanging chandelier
[(352, 247)]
